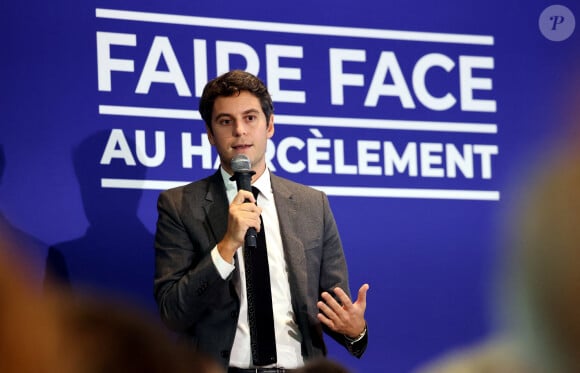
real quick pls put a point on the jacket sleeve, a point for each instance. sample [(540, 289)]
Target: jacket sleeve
[(187, 284), (334, 273)]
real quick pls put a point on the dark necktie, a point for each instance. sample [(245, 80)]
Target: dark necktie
[(260, 315)]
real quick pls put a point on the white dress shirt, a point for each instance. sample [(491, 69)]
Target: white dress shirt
[(288, 336)]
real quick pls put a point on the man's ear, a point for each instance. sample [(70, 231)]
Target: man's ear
[(270, 128)]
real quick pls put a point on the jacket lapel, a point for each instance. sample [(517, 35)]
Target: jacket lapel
[(216, 206), (293, 245), (295, 257)]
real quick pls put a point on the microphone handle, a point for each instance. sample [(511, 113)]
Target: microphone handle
[(251, 238), (244, 182)]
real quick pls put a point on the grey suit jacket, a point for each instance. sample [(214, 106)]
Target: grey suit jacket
[(196, 302)]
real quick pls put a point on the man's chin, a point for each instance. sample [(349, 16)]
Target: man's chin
[(244, 151)]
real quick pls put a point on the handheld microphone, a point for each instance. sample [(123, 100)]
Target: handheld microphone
[(243, 172)]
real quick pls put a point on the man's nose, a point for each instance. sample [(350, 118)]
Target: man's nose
[(238, 128)]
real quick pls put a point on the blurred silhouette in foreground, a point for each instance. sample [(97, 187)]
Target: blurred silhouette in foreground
[(56, 332), (30, 340), (111, 338), (541, 284)]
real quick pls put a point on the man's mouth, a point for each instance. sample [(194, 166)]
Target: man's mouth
[(241, 147)]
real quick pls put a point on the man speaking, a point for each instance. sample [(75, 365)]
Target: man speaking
[(254, 301)]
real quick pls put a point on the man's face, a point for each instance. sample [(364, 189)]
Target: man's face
[(240, 127)]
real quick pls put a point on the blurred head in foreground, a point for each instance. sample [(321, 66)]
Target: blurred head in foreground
[(52, 332), (545, 296), (540, 283), (31, 338)]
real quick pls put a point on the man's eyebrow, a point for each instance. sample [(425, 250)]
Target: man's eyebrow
[(246, 112), (221, 115), (251, 111)]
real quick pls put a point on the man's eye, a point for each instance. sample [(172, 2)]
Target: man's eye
[(224, 122), (251, 118)]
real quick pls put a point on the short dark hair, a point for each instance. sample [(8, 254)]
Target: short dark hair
[(230, 84)]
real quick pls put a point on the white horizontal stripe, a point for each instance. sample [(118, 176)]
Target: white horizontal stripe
[(297, 120), (140, 184), (149, 112), (387, 124), (476, 195), (293, 28)]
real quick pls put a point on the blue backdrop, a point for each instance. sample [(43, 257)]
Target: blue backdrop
[(420, 119)]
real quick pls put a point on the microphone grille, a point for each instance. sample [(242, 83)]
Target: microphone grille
[(241, 163)]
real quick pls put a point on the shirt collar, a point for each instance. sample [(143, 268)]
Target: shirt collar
[(263, 184), (230, 184)]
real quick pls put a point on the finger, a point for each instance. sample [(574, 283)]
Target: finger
[(248, 217), (362, 294), (244, 196), (325, 320), (245, 210), (249, 207), (327, 310), (344, 298), (331, 302)]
